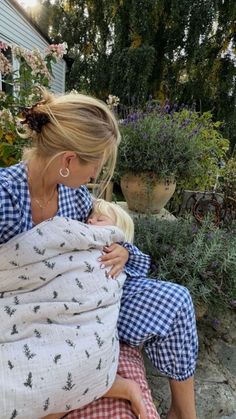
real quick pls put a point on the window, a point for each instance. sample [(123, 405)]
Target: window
[(6, 84)]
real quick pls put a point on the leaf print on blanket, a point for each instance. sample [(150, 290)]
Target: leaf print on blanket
[(14, 414), (85, 391), (37, 333), (10, 311), (27, 352), (99, 303), (56, 358), (79, 284), (36, 309), (14, 330), (70, 343), (87, 353), (98, 367), (24, 277), (46, 404), (49, 265), (28, 382), (69, 383), (13, 263), (39, 251), (89, 268), (11, 366), (100, 342), (16, 300), (98, 320)]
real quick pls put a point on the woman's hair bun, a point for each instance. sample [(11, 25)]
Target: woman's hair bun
[(35, 120)]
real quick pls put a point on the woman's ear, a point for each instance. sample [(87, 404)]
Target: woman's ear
[(67, 157)]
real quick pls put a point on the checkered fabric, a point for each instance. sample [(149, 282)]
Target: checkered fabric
[(130, 366), (161, 316), (15, 211)]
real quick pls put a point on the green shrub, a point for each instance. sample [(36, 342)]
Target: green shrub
[(200, 257), (184, 145)]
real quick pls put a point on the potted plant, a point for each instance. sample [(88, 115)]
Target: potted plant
[(156, 150)]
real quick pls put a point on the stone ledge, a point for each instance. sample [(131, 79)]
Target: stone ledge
[(162, 215)]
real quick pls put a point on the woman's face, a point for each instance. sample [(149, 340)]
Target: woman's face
[(100, 220)]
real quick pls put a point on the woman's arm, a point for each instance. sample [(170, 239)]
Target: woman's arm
[(120, 257), (138, 263)]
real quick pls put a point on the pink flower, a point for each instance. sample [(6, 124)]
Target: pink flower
[(56, 50), (3, 46), (5, 65)]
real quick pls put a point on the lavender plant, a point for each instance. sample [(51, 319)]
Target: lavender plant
[(179, 145), (200, 257)]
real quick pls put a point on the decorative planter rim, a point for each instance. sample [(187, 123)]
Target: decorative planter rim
[(150, 175)]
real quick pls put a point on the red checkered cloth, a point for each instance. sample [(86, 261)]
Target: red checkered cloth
[(130, 366)]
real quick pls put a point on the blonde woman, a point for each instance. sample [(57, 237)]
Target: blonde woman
[(73, 137)]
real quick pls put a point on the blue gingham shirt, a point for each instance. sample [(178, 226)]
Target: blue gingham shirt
[(16, 216)]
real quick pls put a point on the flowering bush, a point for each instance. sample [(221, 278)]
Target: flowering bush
[(181, 145), (34, 70), (200, 257)]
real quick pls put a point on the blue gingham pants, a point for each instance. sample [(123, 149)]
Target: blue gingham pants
[(161, 316)]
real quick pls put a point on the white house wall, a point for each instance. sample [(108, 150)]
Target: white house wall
[(14, 28)]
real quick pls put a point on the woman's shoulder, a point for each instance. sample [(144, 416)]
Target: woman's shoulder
[(75, 203), (13, 175)]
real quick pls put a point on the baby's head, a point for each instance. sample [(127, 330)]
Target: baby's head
[(107, 213)]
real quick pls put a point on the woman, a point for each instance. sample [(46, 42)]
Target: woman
[(73, 137)]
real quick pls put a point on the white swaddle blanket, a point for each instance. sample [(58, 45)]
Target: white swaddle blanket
[(58, 313)]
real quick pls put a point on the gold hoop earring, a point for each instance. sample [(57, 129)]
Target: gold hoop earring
[(66, 172)]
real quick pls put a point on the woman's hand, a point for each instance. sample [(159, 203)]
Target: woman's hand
[(116, 256)]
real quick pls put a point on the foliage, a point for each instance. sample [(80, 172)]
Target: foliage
[(191, 45), (34, 71), (182, 145), (213, 146), (228, 179), (134, 81), (200, 257)]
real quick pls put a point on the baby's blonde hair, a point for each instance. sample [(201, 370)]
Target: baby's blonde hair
[(121, 217), (77, 123)]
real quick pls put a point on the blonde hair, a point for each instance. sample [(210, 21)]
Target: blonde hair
[(121, 217), (77, 123)]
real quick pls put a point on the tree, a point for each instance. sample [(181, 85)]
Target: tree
[(183, 50)]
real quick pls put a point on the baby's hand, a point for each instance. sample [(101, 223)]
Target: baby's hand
[(116, 256)]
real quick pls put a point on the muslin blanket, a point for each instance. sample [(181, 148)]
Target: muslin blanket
[(58, 312)]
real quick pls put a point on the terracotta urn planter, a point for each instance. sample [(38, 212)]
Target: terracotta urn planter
[(144, 193)]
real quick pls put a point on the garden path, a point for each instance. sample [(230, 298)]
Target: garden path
[(215, 374)]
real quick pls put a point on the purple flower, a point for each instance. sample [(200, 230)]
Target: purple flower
[(215, 264), (215, 324), (210, 235), (194, 229)]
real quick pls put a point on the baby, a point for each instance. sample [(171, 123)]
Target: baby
[(109, 214)]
